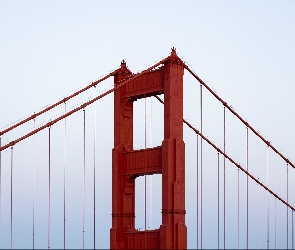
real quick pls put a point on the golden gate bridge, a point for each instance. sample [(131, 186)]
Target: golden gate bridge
[(62, 185)]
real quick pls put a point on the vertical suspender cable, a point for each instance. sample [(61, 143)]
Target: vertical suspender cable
[(34, 183), (247, 189), (292, 229), (287, 207), (201, 170), (197, 191), (151, 200), (49, 142), (224, 177), (65, 167), (94, 171), (267, 178), (145, 173), (11, 172), (275, 223), (218, 208), (0, 192), (84, 166), (238, 208), (151, 176), (257, 216)]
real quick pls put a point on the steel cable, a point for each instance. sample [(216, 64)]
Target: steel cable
[(201, 166), (49, 162), (84, 166), (247, 189), (84, 105), (93, 84), (11, 195), (197, 191), (236, 114), (94, 174), (275, 223), (287, 207), (151, 176), (292, 229), (234, 162), (0, 192), (267, 178), (224, 178), (34, 183), (257, 216), (238, 208), (145, 172), (65, 167), (218, 206)]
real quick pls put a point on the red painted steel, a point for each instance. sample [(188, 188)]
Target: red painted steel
[(149, 84), (167, 159), (152, 89), (141, 162)]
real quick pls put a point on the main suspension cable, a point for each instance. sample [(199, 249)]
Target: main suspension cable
[(236, 114), (233, 162), (93, 84), (50, 123)]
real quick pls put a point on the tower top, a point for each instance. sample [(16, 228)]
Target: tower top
[(123, 64), (173, 51)]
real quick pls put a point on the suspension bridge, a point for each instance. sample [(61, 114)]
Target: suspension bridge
[(148, 160)]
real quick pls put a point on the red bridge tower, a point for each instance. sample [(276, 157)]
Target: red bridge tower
[(168, 159)]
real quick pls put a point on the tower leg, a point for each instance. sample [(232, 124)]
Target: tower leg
[(170, 160)]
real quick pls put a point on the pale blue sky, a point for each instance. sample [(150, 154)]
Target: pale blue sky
[(243, 49)]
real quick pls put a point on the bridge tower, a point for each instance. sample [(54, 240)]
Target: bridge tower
[(167, 159)]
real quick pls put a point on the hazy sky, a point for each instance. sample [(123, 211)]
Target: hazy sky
[(243, 49)]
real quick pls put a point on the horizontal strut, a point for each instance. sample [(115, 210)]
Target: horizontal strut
[(142, 162), (173, 211), (149, 84)]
